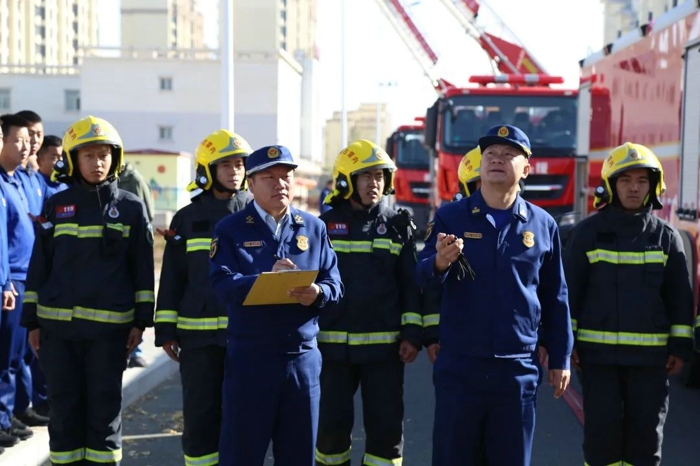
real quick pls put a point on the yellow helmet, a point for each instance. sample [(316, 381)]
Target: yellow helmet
[(469, 171), (358, 157), (85, 132), (217, 147), (628, 157)]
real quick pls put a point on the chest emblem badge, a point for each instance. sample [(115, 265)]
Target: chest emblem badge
[(381, 229), (528, 239), (302, 242), (113, 212)]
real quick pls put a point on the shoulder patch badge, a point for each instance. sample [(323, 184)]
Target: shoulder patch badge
[(213, 247), (65, 211), (302, 242), (429, 230), (528, 238), (113, 212), (381, 229)]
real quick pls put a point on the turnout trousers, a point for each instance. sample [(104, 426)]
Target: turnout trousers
[(13, 344), (382, 408), (626, 409), (84, 380), (268, 396), (483, 404), (202, 374)]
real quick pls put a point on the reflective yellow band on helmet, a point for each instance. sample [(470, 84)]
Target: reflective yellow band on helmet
[(681, 331), (202, 323), (103, 456), (30, 297), (330, 460), (371, 460), (198, 244), (367, 246), (78, 312), (411, 318), (357, 339), (166, 316), (145, 296), (430, 320), (89, 231), (574, 325), (622, 338), (67, 457), (206, 460), (631, 258)]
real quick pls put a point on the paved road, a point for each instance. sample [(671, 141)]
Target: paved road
[(152, 426)]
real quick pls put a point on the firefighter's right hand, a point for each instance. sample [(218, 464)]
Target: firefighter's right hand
[(283, 264), (575, 361), (172, 349), (8, 300), (448, 247), (34, 341), (433, 351)]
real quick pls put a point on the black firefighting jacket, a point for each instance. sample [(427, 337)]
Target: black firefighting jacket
[(381, 305), (187, 309), (91, 271), (629, 291)]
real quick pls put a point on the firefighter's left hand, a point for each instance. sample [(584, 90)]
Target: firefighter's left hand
[(674, 364), (306, 295), (134, 340), (559, 379), (407, 352)]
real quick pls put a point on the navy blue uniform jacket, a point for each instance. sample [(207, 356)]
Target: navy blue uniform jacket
[(243, 247), (519, 283)]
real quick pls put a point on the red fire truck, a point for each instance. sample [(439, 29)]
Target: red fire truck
[(412, 179), (644, 88)]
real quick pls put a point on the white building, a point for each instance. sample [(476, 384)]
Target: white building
[(622, 16)]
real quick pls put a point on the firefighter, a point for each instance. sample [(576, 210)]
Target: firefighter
[(632, 309), (271, 378), (190, 320), (501, 255), (90, 294), (377, 327)]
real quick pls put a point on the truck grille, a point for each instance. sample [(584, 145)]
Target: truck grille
[(420, 189)]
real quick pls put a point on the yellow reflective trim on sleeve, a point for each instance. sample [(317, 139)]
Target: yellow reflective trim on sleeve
[(166, 316), (430, 320), (145, 296), (202, 323), (350, 247), (411, 318), (386, 243), (372, 460), (85, 313), (30, 297), (628, 258), (89, 231), (103, 456), (681, 331), (331, 460), (574, 325), (67, 457), (622, 338), (198, 244), (332, 337), (206, 460), (374, 338)]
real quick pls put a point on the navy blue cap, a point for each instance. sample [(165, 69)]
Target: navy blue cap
[(506, 134), (267, 157)]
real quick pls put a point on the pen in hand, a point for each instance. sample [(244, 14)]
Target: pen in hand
[(282, 264)]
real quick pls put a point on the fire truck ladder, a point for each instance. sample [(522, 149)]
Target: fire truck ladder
[(409, 33), (522, 62)]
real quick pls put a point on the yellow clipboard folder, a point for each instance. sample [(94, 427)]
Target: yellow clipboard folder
[(272, 287)]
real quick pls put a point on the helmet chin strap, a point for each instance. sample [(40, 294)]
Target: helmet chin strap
[(220, 187)]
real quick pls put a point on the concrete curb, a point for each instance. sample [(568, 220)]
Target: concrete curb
[(137, 383)]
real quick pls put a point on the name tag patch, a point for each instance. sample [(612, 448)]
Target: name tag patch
[(470, 235), (65, 211), (252, 244), (338, 228)]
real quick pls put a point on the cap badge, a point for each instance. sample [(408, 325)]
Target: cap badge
[(503, 132), (273, 153)]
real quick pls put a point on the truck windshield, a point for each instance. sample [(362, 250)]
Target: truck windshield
[(549, 121), (410, 151)]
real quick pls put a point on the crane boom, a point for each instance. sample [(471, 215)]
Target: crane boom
[(508, 57), (411, 36)]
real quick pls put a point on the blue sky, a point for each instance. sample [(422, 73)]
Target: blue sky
[(558, 32)]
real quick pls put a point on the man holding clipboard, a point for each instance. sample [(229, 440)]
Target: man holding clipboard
[(271, 381)]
